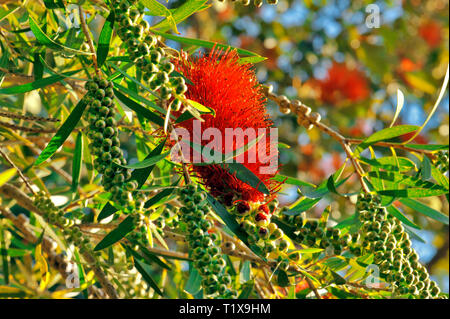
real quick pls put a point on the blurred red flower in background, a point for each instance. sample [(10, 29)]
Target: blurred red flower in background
[(218, 81), (343, 84), (430, 31)]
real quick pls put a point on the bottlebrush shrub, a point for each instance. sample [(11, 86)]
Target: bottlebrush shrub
[(94, 205)]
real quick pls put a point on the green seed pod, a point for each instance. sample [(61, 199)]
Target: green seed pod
[(283, 245), (277, 234), (109, 132)]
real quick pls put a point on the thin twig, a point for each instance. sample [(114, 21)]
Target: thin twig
[(28, 129), (25, 180), (89, 39)]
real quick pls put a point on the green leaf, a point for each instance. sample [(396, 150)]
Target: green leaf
[(413, 192), (291, 181), (157, 9), (246, 290), (145, 272), (194, 283), (105, 39), (302, 206), (76, 163), (181, 13), (203, 43), (49, 43), (282, 279), (141, 175), (126, 226), (396, 179), (139, 109), (389, 163), (54, 4), (245, 175), (5, 254), (338, 279), (63, 132), (161, 195), (200, 107), (424, 209), (394, 211), (386, 134), (309, 250), (246, 271), (5, 14), (147, 162), (428, 147), (36, 84), (227, 218), (425, 168), (138, 98)]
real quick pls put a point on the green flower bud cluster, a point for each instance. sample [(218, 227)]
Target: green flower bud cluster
[(383, 235), (257, 3), (314, 235), (204, 247), (255, 220), (442, 161), (132, 285), (55, 216), (168, 218), (151, 60), (105, 146)]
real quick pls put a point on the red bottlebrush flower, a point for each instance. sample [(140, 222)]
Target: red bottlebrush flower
[(430, 31), (217, 80), (343, 84)]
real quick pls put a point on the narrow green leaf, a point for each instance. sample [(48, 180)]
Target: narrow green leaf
[(302, 206), (105, 39), (424, 209), (139, 109), (145, 272), (76, 163), (246, 290), (194, 283), (386, 134), (160, 196), (63, 132), (158, 9), (5, 256), (49, 43), (282, 279), (203, 43), (291, 181), (425, 168), (413, 192), (54, 4), (181, 13), (126, 226), (394, 211), (36, 84), (147, 162), (227, 218), (245, 175)]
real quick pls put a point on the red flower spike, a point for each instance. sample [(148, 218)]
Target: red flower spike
[(218, 81)]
